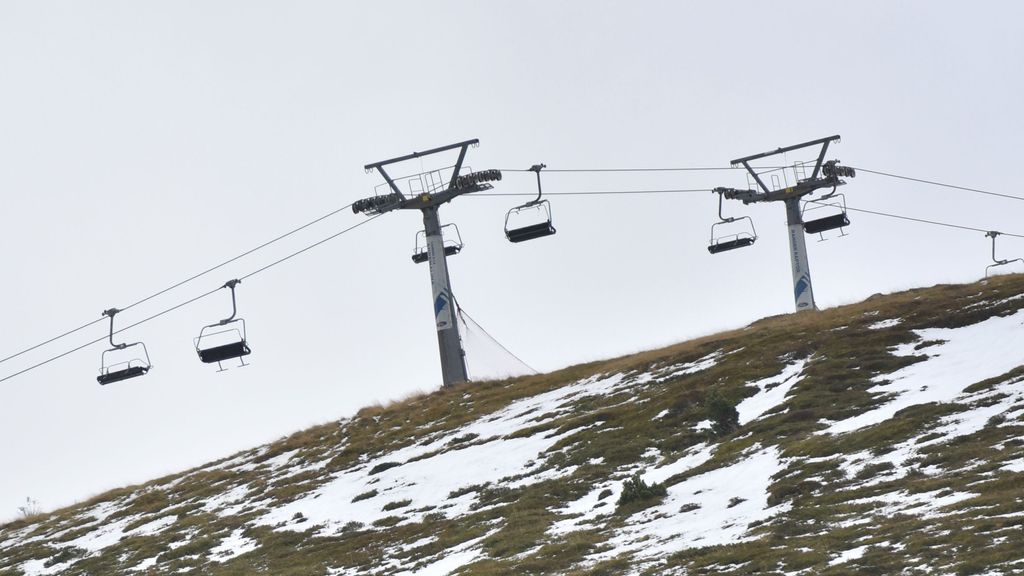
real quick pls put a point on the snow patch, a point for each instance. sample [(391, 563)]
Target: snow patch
[(771, 392), (235, 495), (846, 556), (1013, 465), (692, 458), (154, 527), (426, 473), (711, 509), (103, 536), (926, 504), (601, 501), (886, 324), (691, 367), (966, 356), (451, 559), (38, 568), (144, 565), (234, 545), (425, 482)]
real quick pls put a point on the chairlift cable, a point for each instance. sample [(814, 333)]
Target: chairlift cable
[(181, 283), (105, 336), (933, 222), (877, 213), (310, 247), (765, 168), (677, 169), (944, 185), (54, 339), (185, 303), (599, 192), (242, 255)]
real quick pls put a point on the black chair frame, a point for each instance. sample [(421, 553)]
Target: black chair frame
[(537, 205), (238, 348), (118, 371), (724, 243), (452, 246), (996, 262), (824, 224)]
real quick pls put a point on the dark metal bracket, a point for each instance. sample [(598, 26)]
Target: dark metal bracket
[(234, 306), (457, 185), (113, 312), (820, 178)]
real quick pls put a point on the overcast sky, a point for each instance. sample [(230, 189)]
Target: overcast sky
[(142, 142)]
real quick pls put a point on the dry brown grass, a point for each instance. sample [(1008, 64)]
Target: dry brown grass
[(620, 429)]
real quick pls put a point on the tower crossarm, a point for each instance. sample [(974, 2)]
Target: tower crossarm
[(823, 175), (458, 184)]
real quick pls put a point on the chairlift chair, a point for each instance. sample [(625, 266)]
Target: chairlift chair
[(452, 243), (531, 220), (731, 241), (996, 261), (225, 339), (831, 201), (124, 369)]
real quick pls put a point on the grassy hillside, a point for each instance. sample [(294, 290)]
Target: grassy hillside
[(877, 438)]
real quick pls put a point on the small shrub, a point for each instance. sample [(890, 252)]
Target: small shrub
[(383, 466), (928, 437), (352, 526), (872, 471), (30, 509), (470, 436), (928, 343), (65, 555), (635, 489), (723, 415), (605, 493), (459, 492), (396, 505), (387, 521), (997, 420), (364, 496)]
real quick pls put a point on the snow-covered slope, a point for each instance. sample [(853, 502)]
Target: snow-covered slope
[(878, 438)]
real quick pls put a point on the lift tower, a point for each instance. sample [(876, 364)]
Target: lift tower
[(427, 192), (823, 175)]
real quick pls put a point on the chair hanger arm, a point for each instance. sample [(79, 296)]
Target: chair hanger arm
[(234, 305), (537, 168), (112, 312)]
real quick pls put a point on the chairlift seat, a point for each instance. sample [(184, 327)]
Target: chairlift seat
[(421, 257), (827, 223), (224, 352), (530, 232), (124, 374), (716, 247)]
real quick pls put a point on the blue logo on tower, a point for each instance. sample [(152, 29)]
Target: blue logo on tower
[(802, 285), (440, 303)]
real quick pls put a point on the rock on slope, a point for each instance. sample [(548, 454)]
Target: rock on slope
[(877, 438)]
